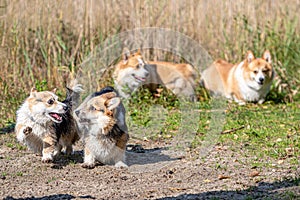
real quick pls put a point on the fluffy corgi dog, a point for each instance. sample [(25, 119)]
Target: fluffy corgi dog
[(248, 81), (105, 141), (37, 124), (133, 71), (119, 111)]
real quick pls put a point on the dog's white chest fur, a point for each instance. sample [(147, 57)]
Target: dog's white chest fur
[(104, 149), (38, 121)]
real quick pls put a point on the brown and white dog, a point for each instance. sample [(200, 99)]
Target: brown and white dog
[(248, 81), (105, 131), (120, 111), (45, 125), (132, 72)]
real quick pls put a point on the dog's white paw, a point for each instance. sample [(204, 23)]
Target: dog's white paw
[(47, 158), (261, 101), (242, 103), (120, 164), (88, 165)]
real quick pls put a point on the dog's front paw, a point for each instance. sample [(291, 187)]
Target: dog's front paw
[(27, 130), (242, 103), (88, 166), (121, 164), (47, 158), (261, 101)]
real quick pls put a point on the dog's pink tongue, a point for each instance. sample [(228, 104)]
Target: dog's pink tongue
[(56, 116), (141, 78)]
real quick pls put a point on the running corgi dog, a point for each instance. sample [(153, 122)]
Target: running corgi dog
[(45, 125), (248, 81), (105, 139), (132, 72), (119, 112)]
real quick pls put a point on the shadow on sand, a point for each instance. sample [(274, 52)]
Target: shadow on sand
[(136, 157), (281, 190)]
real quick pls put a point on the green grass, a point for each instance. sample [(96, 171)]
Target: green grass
[(262, 131), (270, 130), (51, 180), (19, 174), (290, 195)]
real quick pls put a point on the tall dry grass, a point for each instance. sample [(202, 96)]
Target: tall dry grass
[(43, 41)]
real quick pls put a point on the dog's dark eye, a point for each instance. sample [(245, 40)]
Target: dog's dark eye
[(265, 70), (255, 71), (92, 108), (102, 110), (138, 66), (50, 101)]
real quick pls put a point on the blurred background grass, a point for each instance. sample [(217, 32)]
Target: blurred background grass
[(42, 42)]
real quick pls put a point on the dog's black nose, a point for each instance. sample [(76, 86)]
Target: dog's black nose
[(261, 79), (77, 112), (65, 108)]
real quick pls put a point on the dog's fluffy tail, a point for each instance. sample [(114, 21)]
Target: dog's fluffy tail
[(73, 94), (75, 86)]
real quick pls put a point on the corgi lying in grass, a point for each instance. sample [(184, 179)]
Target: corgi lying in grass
[(132, 72), (248, 81)]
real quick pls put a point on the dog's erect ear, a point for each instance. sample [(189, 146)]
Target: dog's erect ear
[(54, 90), (267, 56), (113, 103), (250, 56), (33, 91), (126, 54)]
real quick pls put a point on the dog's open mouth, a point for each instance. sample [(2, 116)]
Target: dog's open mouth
[(56, 117), (139, 78)]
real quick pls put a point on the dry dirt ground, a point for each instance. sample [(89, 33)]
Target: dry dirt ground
[(155, 172)]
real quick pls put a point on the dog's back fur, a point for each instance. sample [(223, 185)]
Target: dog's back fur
[(221, 68), (179, 78)]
